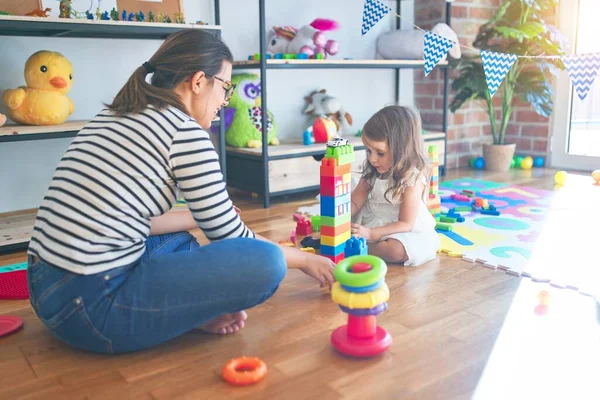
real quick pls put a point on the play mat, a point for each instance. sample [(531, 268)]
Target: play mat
[(547, 235)]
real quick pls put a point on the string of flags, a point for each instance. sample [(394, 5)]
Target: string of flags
[(582, 68)]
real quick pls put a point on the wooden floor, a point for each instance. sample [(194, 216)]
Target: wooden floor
[(445, 317)]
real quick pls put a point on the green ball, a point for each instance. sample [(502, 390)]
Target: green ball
[(472, 162), (512, 163), (518, 160)]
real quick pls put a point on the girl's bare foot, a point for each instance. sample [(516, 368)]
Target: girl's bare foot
[(226, 324)]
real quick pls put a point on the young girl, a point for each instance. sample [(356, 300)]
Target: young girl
[(111, 268), (389, 206)]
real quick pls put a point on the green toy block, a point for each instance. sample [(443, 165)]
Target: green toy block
[(320, 56), (443, 227), (315, 221), (335, 221), (289, 56), (448, 220), (343, 154), (462, 208)]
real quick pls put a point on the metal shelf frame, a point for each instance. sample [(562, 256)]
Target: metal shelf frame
[(263, 65)]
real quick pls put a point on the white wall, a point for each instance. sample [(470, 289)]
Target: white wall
[(103, 66)]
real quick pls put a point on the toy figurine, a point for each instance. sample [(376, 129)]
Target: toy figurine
[(38, 13), (65, 9), (139, 17), (98, 13), (124, 16), (179, 18), (160, 17), (105, 16), (150, 16), (131, 16), (89, 15), (114, 14)]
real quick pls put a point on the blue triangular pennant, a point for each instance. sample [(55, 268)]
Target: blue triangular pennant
[(495, 67), (583, 70), (373, 12), (435, 47)]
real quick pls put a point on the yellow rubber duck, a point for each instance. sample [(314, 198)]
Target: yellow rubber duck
[(44, 101)]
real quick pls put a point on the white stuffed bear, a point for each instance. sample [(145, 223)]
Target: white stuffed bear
[(408, 45)]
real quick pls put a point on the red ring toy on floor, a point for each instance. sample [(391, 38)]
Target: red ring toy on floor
[(244, 370)]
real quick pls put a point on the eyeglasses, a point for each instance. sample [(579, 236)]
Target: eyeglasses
[(229, 87)]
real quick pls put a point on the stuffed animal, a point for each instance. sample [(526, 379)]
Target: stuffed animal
[(243, 116), (2, 119), (408, 44), (320, 103), (309, 39), (44, 101)]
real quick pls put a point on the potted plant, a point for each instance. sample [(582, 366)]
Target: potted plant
[(519, 28)]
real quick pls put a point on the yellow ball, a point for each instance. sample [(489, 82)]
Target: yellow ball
[(560, 177), (527, 163), (544, 297), (596, 176)]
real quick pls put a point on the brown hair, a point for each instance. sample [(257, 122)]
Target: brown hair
[(400, 128), (180, 56)]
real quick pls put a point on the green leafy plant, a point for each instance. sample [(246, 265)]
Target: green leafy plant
[(518, 27)]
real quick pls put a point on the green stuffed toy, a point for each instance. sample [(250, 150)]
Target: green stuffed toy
[(243, 116)]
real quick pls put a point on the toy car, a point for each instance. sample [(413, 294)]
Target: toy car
[(338, 142)]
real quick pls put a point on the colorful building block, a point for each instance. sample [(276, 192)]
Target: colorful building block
[(335, 206), (355, 247), (334, 221), (335, 240), (315, 221), (343, 154), (335, 230), (335, 185), (330, 167), (333, 250), (303, 227), (335, 259)]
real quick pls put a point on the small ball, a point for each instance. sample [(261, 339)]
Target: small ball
[(518, 161), (560, 177), (479, 163), (527, 163), (538, 162), (512, 163), (596, 176), (544, 297), (541, 310), (472, 162)]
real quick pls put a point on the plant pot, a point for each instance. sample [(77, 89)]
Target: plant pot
[(498, 157)]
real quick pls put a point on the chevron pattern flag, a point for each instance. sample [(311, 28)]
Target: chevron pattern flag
[(373, 12), (495, 67), (435, 47), (583, 70)]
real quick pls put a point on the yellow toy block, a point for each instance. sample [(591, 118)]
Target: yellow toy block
[(335, 240)]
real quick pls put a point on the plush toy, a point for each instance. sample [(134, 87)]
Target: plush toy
[(320, 103), (44, 101), (243, 116), (408, 44), (309, 39), (2, 119)]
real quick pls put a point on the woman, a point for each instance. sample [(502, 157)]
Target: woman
[(111, 270)]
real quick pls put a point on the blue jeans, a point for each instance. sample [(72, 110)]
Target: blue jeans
[(174, 287)]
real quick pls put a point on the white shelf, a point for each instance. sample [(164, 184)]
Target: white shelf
[(332, 63)]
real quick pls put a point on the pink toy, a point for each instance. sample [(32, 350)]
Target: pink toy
[(303, 228), (309, 39), (293, 236)]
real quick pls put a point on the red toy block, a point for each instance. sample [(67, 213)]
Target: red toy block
[(335, 259), (334, 231), (298, 217), (333, 186), (330, 168), (303, 227)]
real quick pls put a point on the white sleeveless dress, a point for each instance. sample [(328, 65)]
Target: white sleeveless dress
[(422, 242)]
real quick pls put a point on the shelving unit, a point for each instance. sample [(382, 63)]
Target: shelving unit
[(273, 171), (16, 227)]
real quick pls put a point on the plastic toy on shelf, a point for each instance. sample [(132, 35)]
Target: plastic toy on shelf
[(360, 291)]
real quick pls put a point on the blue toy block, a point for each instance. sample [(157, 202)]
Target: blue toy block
[(302, 56), (333, 250), (268, 56), (356, 247), (490, 212), (278, 56), (335, 206)]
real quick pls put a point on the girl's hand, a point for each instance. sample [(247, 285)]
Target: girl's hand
[(320, 268), (362, 231)]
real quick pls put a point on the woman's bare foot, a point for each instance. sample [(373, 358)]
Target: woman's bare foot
[(225, 324)]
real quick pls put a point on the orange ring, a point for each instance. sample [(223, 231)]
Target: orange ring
[(244, 370)]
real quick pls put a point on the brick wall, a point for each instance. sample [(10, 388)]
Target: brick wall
[(469, 127)]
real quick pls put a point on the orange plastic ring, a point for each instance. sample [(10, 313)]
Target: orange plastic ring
[(244, 370)]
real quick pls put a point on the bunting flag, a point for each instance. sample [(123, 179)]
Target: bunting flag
[(495, 67), (435, 47), (583, 70), (373, 12)]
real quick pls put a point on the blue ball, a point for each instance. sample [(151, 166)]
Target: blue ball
[(538, 161), (479, 163)]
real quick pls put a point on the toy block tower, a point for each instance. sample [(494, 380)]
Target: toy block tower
[(335, 198), (434, 203)]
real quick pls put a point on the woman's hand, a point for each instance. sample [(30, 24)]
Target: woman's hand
[(237, 210), (320, 268), (363, 231)]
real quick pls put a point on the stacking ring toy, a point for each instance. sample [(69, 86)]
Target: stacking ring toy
[(244, 370), (343, 271), (359, 300), (361, 292)]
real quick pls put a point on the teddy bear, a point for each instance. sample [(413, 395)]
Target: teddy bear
[(408, 44), (309, 39), (320, 103)]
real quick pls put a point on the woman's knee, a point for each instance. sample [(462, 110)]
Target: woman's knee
[(268, 263)]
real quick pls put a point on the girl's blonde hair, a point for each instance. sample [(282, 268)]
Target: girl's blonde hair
[(400, 128)]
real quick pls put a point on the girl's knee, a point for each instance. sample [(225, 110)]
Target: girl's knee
[(397, 251)]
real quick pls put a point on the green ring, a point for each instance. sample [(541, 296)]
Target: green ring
[(375, 274)]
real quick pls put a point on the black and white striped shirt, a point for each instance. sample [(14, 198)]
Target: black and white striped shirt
[(116, 174)]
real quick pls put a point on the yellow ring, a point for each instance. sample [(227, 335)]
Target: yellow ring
[(360, 300)]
